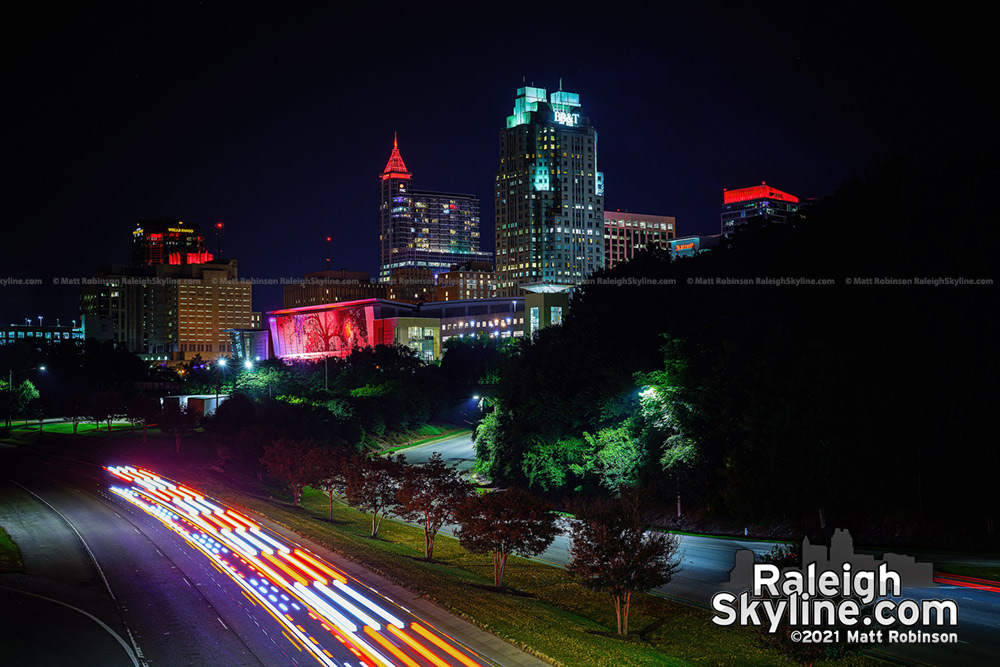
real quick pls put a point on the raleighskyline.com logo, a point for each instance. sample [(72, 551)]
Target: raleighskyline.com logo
[(837, 597)]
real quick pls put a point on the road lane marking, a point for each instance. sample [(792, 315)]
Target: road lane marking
[(223, 624), (128, 650)]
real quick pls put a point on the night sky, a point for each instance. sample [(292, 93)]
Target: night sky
[(276, 121)]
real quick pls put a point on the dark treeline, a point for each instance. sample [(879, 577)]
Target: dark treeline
[(847, 404), (356, 403)]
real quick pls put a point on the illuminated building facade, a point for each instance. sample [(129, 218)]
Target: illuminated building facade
[(249, 344), (171, 313), (41, 335), (420, 229), (175, 302), (689, 246), (549, 193), (625, 234), (174, 242), (334, 330), (756, 205), (472, 280), (495, 317), (190, 308)]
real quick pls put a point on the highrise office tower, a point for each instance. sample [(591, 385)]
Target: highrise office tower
[(175, 301), (549, 194), (419, 229)]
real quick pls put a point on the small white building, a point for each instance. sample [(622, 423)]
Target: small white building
[(202, 404)]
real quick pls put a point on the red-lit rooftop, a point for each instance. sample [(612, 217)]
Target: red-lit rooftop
[(395, 165), (762, 191)]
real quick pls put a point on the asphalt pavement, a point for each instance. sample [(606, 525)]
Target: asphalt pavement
[(127, 590)]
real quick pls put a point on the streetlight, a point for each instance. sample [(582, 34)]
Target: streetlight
[(10, 390), (219, 365)]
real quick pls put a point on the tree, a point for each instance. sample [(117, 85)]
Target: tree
[(96, 412), (329, 463), (143, 410), (23, 394), (613, 552), (292, 462), (503, 523), (372, 484), (74, 410), (251, 441), (110, 405), (429, 495), (613, 457), (178, 422), (38, 409)]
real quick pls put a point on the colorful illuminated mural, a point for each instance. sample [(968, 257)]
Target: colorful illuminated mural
[(317, 333)]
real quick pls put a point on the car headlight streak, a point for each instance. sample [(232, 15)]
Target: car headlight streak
[(296, 587)]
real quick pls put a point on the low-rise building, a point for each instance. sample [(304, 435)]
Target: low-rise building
[(470, 280), (626, 234), (321, 287)]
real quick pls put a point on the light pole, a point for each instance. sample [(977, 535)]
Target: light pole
[(219, 365), (10, 390)]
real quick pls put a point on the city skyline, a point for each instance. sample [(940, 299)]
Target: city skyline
[(688, 286), (265, 125)]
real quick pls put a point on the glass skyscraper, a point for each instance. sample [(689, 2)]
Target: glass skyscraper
[(549, 194), (422, 229)]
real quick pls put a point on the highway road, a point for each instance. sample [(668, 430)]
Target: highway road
[(707, 561), (457, 450), (139, 570)]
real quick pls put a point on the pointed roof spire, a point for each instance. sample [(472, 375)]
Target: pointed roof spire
[(395, 163)]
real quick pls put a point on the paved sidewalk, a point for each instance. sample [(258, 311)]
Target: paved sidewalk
[(486, 644)]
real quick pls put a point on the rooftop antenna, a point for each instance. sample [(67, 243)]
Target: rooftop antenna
[(560, 84), (218, 240), (328, 239)]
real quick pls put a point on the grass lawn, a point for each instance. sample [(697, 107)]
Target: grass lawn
[(10, 556), (434, 433), (66, 428)]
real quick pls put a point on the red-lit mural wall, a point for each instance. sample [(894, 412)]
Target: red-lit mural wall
[(328, 332)]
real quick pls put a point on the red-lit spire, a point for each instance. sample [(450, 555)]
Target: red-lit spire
[(395, 165)]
